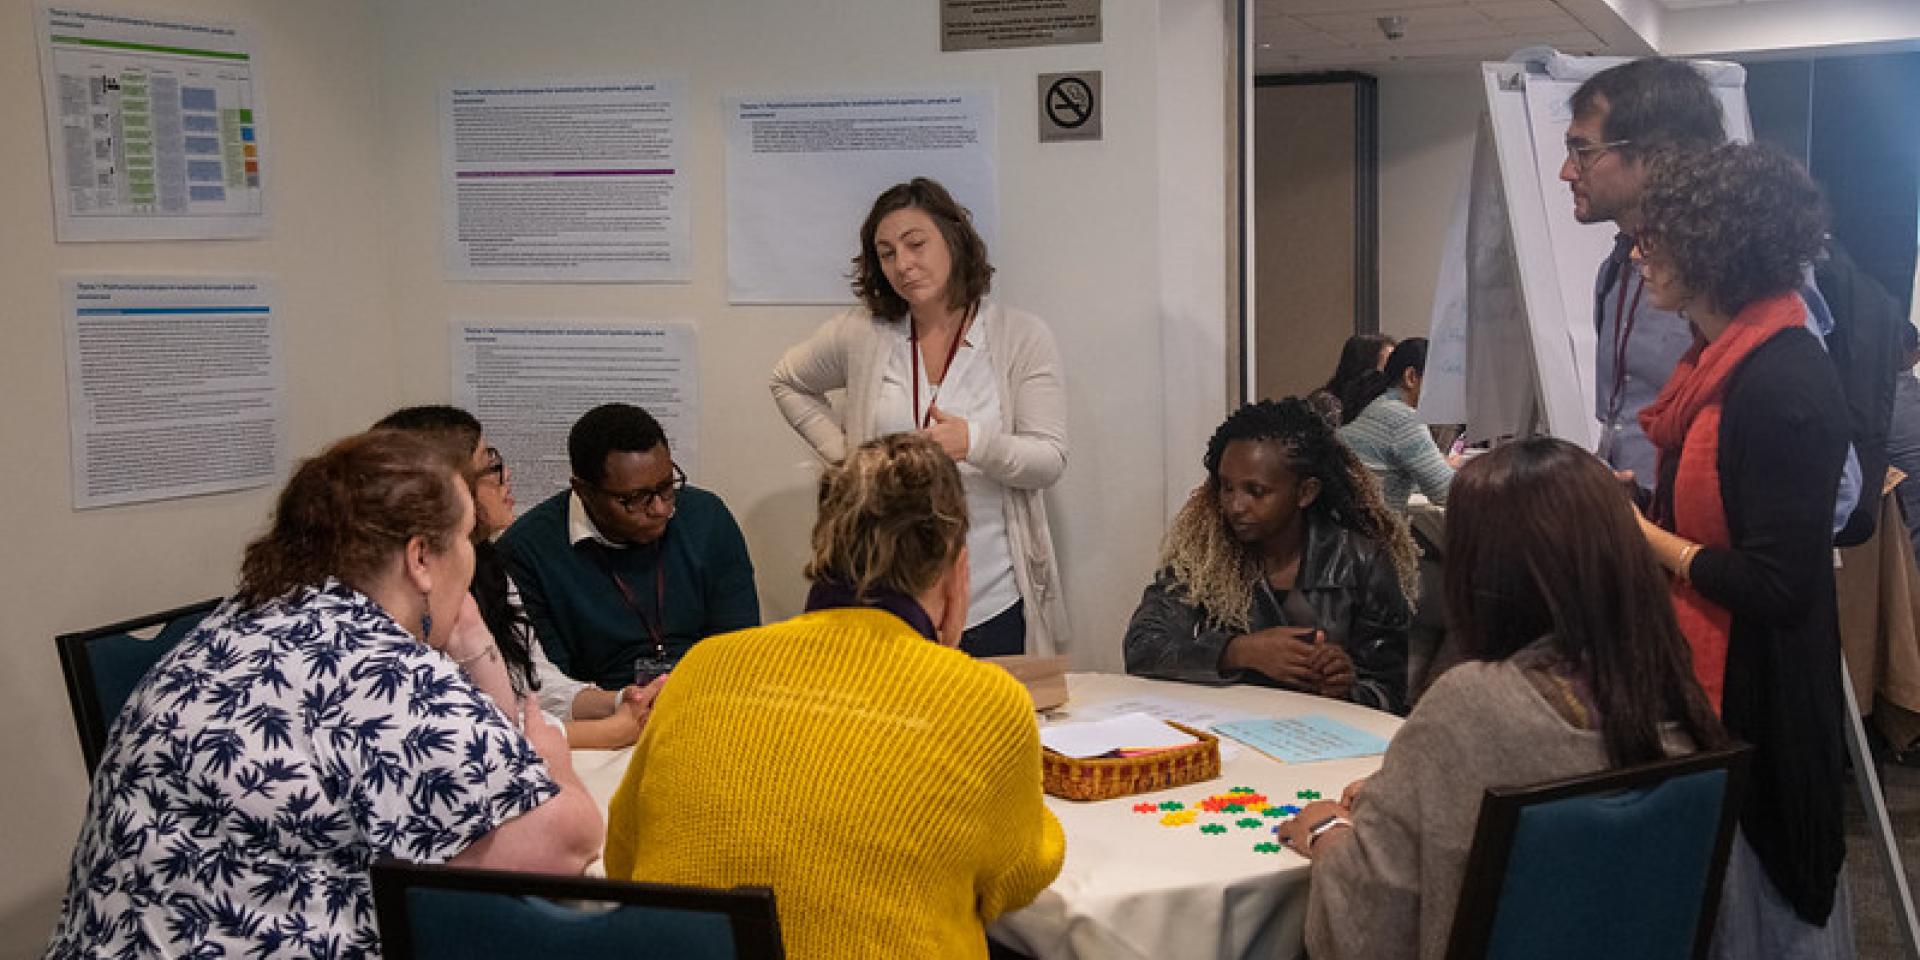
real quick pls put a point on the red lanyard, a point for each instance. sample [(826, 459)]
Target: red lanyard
[(659, 600), (913, 347), (1623, 318)]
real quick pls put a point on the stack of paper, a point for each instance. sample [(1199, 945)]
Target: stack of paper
[(1127, 732)]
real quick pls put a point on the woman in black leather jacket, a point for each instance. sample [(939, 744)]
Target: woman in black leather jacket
[(1284, 567)]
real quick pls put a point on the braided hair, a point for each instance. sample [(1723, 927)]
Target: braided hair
[(1215, 571)]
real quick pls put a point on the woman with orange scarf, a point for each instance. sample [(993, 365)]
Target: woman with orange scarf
[(1752, 435)]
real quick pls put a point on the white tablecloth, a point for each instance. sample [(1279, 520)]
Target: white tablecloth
[(1132, 888)]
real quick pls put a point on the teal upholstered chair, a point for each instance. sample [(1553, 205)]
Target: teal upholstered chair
[(1626, 863), (103, 665), (450, 913)]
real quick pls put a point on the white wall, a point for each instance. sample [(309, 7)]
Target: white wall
[(1103, 240), (1078, 243), (1793, 25), (1426, 144), (68, 570)]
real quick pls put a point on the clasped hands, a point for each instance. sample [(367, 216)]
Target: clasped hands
[(1298, 657)]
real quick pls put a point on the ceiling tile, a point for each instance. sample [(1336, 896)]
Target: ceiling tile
[(1417, 19), (1295, 7)]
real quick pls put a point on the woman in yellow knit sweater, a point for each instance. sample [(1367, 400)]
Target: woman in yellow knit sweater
[(884, 784)]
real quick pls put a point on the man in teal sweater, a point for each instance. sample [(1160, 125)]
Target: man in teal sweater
[(631, 564)]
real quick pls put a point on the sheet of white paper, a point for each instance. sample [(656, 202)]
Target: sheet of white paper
[(174, 386), (529, 381), (1136, 731), (1443, 389), (565, 182), (802, 172), (155, 128)]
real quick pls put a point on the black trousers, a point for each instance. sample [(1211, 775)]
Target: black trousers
[(1004, 635)]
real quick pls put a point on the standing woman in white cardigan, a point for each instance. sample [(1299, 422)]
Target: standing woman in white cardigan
[(926, 351)]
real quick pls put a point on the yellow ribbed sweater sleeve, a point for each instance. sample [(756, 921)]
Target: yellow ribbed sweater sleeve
[(886, 788)]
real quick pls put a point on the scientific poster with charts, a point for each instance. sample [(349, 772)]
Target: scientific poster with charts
[(574, 182), (154, 127), (175, 386), (803, 171), (529, 381)]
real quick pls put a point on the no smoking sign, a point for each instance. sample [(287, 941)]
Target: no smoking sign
[(1070, 106)]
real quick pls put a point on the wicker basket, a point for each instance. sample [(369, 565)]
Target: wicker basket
[(1103, 779)]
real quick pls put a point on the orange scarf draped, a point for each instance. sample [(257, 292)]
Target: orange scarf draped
[(1684, 423)]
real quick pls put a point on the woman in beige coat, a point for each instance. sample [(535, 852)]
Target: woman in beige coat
[(926, 351)]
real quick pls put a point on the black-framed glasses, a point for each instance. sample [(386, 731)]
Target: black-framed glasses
[(1585, 155), (638, 501), (496, 468)]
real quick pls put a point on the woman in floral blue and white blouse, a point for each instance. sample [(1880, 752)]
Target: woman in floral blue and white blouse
[(314, 722)]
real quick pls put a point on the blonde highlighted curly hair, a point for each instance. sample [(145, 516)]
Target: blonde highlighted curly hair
[(1216, 572)]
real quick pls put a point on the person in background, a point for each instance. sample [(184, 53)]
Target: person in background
[(927, 351), (1283, 568), (1575, 665), (1363, 353), (1903, 433), (1751, 432), (1387, 435), (1622, 117), (314, 722), (906, 775), (592, 717), (627, 570)]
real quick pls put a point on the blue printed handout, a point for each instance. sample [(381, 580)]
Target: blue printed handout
[(1303, 739)]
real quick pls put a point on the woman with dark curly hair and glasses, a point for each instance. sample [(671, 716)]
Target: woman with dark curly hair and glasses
[(1285, 567), (1752, 435), (927, 352)]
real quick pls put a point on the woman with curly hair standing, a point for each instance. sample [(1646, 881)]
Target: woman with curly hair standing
[(1752, 435), (1285, 567)]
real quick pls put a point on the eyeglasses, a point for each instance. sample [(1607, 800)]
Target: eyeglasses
[(1585, 155), (496, 468), (639, 501)]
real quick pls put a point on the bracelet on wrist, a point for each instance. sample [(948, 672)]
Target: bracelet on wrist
[(1324, 826), (489, 651), (1687, 553)]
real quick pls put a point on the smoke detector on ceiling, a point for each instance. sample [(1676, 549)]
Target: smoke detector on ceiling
[(1393, 28)]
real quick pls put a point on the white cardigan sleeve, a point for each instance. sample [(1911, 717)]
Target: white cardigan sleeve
[(802, 378), (1034, 454)]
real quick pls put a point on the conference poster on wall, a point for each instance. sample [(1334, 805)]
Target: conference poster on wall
[(155, 127)]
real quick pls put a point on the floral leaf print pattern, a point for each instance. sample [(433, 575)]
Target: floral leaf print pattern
[(260, 768)]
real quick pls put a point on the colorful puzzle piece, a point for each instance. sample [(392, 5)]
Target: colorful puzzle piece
[(1213, 828), (1308, 795), (1266, 848), (1146, 808), (1250, 822), (1178, 818), (1173, 805), (1273, 812)]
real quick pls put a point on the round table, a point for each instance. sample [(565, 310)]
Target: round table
[(1133, 888)]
